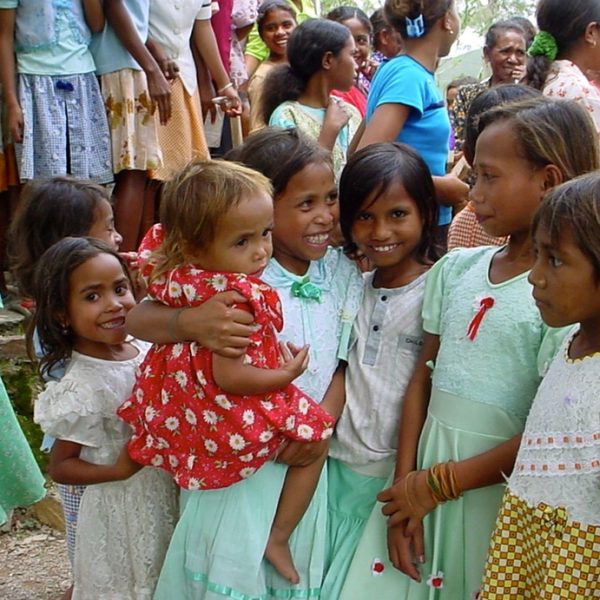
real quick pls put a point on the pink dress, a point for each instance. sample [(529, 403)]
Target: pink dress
[(182, 421)]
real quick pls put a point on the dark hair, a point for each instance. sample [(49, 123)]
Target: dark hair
[(498, 28), (466, 80), (490, 98), (266, 7), (340, 14), (396, 12), (49, 211), (371, 171), (566, 21), (279, 154), (307, 45), (550, 132), (529, 29), (52, 292), (574, 207), (378, 23)]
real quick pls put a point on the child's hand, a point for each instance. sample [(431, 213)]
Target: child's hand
[(301, 454), (169, 68), (15, 123), (139, 285), (294, 359), (336, 115), (160, 93), (409, 498), (404, 551), (125, 467)]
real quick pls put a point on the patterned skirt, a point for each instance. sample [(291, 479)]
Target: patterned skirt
[(65, 129), (133, 121), (538, 553), (182, 138)]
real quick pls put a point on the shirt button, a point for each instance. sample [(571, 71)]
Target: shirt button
[(383, 298), (376, 328)]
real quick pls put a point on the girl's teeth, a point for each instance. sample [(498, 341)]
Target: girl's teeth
[(112, 324), (384, 248), (317, 239)]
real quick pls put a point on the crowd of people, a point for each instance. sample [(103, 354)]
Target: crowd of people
[(330, 334)]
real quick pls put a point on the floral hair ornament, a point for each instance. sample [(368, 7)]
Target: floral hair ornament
[(544, 44), (415, 28)]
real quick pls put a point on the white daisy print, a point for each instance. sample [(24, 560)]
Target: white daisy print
[(303, 405), (290, 422), (173, 461), (157, 460), (327, 433), (139, 395), (247, 471), (172, 423), (305, 432), (267, 405), (190, 416), (194, 484), (181, 379), (149, 413), (263, 452), (236, 441), (189, 291), (248, 417), (211, 446), (247, 457), (176, 350), (223, 401), (210, 417), (164, 397), (174, 289), (219, 283), (200, 377), (191, 459), (265, 436), (161, 443)]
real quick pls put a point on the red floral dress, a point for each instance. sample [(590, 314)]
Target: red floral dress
[(182, 421)]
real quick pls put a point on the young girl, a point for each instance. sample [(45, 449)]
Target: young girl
[(55, 113), (388, 212), (360, 27), (487, 346), (275, 24), (551, 503), (83, 293), (387, 42), (220, 540), (321, 57), (564, 54), (405, 104), (249, 406)]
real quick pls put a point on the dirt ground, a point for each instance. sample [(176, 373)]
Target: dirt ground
[(33, 561)]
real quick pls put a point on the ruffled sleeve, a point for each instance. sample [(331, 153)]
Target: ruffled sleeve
[(64, 410)]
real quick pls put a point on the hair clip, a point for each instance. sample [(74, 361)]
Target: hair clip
[(415, 28)]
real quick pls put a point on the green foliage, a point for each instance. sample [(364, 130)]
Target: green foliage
[(480, 14)]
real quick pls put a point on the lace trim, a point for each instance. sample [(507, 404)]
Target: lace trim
[(225, 590), (560, 440), (542, 468)]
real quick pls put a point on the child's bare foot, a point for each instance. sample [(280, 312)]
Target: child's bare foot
[(278, 554)]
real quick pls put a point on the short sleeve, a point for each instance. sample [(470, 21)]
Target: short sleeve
[(205, 12), (404, 85), (255, 47), (9, 3), (64, 411), (283, 116), (552, 340)]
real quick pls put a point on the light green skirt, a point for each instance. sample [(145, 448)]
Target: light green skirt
[(351, 497), (21, 481), (217, 549), (457, 534)]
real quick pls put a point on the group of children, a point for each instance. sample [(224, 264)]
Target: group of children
[(285, 393)]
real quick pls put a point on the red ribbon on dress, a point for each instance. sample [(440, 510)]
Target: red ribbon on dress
[(484, 305)]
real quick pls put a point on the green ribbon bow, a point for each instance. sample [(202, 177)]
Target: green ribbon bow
[(306, 289), (544, 44)]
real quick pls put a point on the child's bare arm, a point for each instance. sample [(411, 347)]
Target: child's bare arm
[(66, 466), (94, 14), (335, 396), (7, 73), (158, 86), (235, 377), (169, 66)]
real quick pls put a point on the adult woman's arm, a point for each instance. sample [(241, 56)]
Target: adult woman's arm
[(216, 324), (385, 125), (7, 74)]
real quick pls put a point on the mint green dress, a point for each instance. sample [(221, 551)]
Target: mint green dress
[(21, 481), (482, 390)]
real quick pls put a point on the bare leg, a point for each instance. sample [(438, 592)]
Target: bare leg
[(151, 204), (298, 489), (128, 200)]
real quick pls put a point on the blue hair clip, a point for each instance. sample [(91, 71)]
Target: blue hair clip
[(415, 28)]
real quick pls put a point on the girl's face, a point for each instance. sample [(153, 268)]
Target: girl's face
[(306, 213), (362, 39), (100, 297), (276, 30), (565, 285), (508, 189), (387, 230), (242, 241), (103, 227), (344, 69), (452, 20), (507, 57)]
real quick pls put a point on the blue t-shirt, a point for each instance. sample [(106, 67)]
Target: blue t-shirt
[(402, 80)]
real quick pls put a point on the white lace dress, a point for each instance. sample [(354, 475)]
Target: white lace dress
[(125, 526), (547, 537)]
